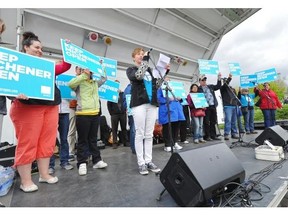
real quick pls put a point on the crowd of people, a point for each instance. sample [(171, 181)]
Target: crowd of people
[(144, 101)]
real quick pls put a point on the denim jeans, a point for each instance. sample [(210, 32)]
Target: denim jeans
[(230, 121), (63, 128), (249, 120), (269, 117), (132, 132), (198, 127)]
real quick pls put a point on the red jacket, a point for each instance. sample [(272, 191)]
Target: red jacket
[(269, 99)]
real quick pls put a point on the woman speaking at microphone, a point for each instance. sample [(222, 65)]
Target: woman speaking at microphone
[(144, 108)]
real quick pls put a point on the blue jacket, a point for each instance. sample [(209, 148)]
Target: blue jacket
[(244, 100), (176, 109)]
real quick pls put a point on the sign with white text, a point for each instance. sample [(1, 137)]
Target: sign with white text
[(199, 100), (266, 75), (235, 69), (208, 67), (25, 74), (81, 57), (110, 66), (248, 81), (109, 91), (177, 89), (62, 83), (128, 100)]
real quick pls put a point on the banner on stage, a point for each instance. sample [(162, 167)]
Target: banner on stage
[(109, 91), (21, 73), (177, 89), (81, 57), (248, 81), (268, 75), (110, 66), (62, 83), (208, 66), (235, 69), (128, 100), (199, 100)]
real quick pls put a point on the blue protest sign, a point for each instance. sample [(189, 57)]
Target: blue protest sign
[(81, 57), (199, 100), (62, 83), (268, 75), (235, 69), (208, 67), (184, 102), (252, 96), (110, 66), (177, 89), (26, 74), (109, 91), (248, 81), (128, 99)]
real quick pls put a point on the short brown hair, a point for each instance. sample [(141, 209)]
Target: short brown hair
[(136, 51)]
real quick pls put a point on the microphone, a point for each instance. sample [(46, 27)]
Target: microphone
[(148, 53)]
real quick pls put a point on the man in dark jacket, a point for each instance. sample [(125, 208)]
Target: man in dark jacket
[(210, 118), (231, 105), (118, 114)]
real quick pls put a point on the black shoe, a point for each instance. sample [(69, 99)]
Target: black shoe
[(216, 138), (71, 157), (235, 137), (34, 170), (254, 132), (208, 139)]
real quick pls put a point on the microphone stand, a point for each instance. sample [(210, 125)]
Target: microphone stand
[(167, 90), (238, 103)]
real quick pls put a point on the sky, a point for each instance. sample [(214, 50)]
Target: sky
[(259, 43)]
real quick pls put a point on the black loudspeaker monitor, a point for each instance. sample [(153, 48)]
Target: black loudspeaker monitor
[(275, 134), (195, 176)]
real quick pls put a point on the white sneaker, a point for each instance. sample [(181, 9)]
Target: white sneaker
[(167, 149), (185, 142), (177, 146), (82, 169), (100, 165)]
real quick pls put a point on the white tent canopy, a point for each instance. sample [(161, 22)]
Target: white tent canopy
[(183, 34)]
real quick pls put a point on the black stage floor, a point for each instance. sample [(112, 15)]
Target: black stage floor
[(120, 185)]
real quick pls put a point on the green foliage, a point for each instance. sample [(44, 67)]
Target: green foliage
[(258, 116), (280, 113)]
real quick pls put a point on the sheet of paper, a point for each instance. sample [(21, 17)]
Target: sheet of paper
[(160, 69)]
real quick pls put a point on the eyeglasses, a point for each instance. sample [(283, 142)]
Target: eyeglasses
[(203, 80)]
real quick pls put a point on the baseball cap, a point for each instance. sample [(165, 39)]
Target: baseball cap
[(202, 77)]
